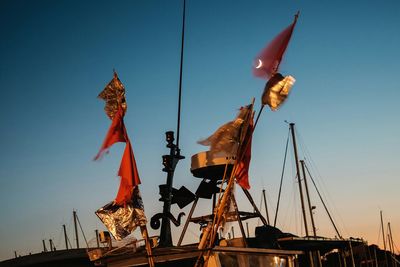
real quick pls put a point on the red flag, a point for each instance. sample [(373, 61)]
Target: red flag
[(129, 176), (127, 170), (116, 133), (242, 171), (267, 62)]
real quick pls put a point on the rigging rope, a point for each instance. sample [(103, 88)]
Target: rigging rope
[(324, 192), (280, 185), (83, 233), (323, 203)]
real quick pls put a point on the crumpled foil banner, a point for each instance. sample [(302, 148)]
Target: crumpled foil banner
[(123, 220), (114, 95)]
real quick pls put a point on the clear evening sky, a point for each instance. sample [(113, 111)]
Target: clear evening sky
[(56, 56)]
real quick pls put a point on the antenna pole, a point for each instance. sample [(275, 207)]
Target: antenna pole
[(180, 75), (298, 177), (76, 229)]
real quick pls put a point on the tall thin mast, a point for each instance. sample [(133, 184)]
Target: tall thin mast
[(76, 229), (392, 245), (383, 233), (44, 246), (298, 177), (266, 207), (180, 75), (65, 237), (308, 197), (384, 241)]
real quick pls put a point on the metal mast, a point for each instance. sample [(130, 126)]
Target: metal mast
[(298, 177), (76, 229), (65, 237)]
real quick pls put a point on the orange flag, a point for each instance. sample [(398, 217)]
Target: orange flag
[(129, 176), (116, 133), (127, 170)]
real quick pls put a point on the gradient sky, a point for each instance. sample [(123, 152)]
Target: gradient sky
[(56, 56)]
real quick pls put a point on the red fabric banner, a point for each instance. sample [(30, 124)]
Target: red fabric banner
[(267, 62), (127, 170), (129, 176), (242, 171), (116, 133)]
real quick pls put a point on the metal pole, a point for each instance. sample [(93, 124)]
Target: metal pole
[(65, 237), (308, 197), (187, 221), (44, 246), (247, 228), (51, 244), (266, 207), (311, 258), (390, 249), (298, 177), (239, 221), (254, 206), (319, 259), (391, 241), (76, 229), (180, 74), (352, 256), (384, 241)]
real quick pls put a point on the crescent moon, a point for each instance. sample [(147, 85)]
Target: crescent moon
[(259, 64)]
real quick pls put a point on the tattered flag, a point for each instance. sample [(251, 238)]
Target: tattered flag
[(267, 62), (226, 137)]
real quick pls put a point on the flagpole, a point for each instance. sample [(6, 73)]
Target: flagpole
[(145, 234), (209, 236), (296, 16)]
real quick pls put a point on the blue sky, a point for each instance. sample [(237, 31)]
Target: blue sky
[(56, 56)]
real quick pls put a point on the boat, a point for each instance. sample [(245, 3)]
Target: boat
[(221, 169)]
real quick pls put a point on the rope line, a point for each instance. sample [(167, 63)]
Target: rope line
[(280, 185)]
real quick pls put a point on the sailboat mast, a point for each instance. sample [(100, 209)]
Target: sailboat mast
[(384, 241), (65, 237), (76, 229), (298, 177), (383, 233), (392, 244), (266, 207)]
